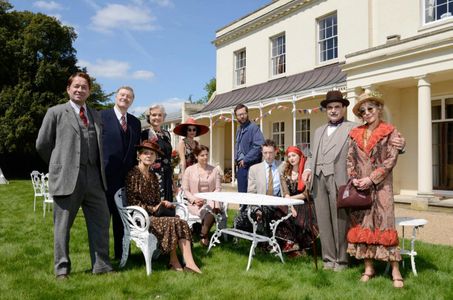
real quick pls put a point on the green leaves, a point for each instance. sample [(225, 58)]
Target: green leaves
[(210, 88), (36, 60)]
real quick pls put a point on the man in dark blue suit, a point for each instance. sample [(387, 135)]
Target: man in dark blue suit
[(121, 133)]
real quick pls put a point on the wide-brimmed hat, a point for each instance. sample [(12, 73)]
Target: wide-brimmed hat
[(181, 129), (334, 96), (151, 145), (364, 97)]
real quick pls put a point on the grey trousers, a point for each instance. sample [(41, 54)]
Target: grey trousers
[(333, 223), (90, 195)]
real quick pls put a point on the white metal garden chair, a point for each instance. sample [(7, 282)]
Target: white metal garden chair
[(36, 180), (136, 223), (47, 197), (191, 219), (184, 210)]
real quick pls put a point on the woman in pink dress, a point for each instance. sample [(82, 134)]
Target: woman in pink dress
[(370, 162), (198, 178)]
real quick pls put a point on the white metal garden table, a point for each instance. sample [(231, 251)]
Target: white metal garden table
[(415, 224), (250, 200)]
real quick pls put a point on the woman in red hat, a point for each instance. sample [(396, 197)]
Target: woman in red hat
[(142, 189), (190, 129), (300, 230)]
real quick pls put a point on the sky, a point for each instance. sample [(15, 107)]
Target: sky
[(161, 48)]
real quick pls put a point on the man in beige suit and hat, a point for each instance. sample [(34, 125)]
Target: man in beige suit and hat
[(327, 172)]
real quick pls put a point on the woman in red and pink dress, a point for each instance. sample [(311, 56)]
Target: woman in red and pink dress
[(371, 159)]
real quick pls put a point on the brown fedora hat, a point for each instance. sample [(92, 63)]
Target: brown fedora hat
[(181, 129), (151, 145), (334, 96), (364, 97)]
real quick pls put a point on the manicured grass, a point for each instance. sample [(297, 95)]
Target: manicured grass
[(26, 268)]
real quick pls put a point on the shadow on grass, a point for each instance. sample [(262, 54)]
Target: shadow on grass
[(241, 249)]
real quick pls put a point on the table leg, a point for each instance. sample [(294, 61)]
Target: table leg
[(403, 245), (251, 254), (254, 241), (218, 232), (273, 241), (413, 253)]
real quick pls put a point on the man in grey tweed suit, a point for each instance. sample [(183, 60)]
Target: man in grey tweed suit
[(70, 141), (328, 166)]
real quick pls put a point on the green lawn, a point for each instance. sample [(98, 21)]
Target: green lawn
[(26, 268)]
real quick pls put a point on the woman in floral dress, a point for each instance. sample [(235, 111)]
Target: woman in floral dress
[(190, 129), (142, 189)]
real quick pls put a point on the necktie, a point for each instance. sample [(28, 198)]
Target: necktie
[(123, 123), (336, 123), (270, 183), (83, 117)]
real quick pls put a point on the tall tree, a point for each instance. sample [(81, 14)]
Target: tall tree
[(36, 59)]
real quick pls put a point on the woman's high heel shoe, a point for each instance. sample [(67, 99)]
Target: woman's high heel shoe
[(172, 267), (190, 270), (204, 240)]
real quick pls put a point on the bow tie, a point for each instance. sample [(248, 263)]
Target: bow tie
[(335, 124)]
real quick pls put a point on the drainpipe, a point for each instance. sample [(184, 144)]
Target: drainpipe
[(294, 120), (233, 171)]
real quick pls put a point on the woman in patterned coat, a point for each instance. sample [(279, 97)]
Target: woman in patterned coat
[(370, 162), (142, 189)]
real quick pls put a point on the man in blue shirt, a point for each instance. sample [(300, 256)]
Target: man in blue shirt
[(249, 139)]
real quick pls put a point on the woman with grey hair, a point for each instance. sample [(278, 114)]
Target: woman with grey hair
[(162, 167)]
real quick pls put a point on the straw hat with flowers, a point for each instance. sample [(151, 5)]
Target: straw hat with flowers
[(365, 97)]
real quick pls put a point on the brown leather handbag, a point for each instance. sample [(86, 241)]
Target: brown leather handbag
[(350, 197)]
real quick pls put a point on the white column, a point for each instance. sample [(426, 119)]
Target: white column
[(352, 97), (294, 121), (425, 150), (261, 118), (210, 139), (233, 171)]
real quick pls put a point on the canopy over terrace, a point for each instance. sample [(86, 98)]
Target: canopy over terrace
[(291, 89)]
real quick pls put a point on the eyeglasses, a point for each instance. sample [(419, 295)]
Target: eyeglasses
[(363, 110), (191, 129)]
